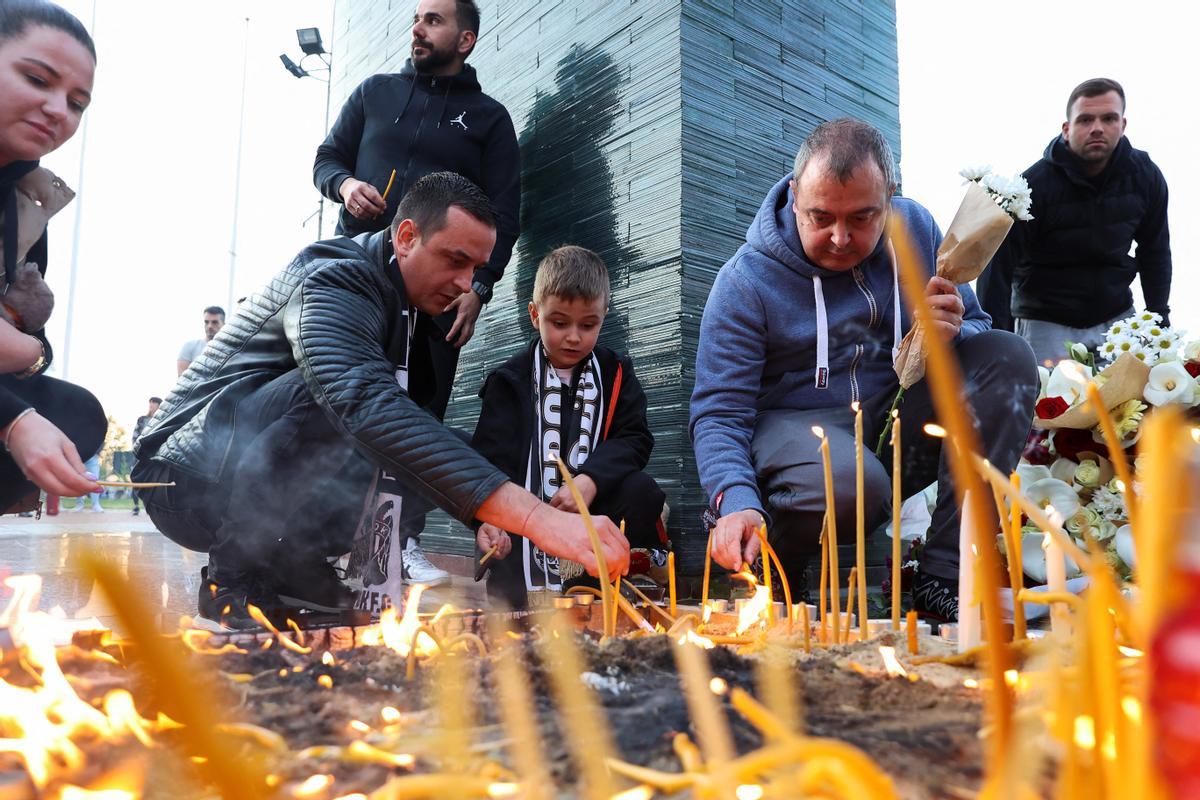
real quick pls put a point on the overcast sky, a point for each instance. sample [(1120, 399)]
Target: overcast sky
[(979, 83)]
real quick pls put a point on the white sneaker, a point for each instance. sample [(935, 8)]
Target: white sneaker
[(416, 568)]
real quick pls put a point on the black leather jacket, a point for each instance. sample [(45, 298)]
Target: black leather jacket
[(336, 312)]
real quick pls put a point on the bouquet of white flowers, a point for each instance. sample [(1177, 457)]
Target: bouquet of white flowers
[(1070, 467), (979, 226)]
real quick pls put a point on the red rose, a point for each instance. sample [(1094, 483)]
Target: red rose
[(1051, 407), (1193, 368), (1070, 442)]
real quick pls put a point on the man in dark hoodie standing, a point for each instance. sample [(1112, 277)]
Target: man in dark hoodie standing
[(430, 117), (1066, 275), (806, 319)]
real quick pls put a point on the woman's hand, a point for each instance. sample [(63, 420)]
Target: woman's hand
[(47, 457)]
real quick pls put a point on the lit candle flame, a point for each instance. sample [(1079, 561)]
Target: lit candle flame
[(934, 430), (718, 686), (749, 791), (891, 663), (818, 431)]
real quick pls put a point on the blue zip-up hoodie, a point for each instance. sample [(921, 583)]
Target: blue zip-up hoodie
[(761, 334)]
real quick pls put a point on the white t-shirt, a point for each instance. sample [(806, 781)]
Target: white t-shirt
[(192, 350)]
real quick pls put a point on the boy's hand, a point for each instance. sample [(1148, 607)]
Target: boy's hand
[(466, 307), (490, 536), (563, 499), (735, 541)]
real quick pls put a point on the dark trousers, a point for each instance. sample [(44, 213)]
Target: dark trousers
[(292, 489), (1001, 385), (638, 500), (72, 409)]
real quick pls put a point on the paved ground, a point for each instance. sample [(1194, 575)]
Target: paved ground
[(166, 574)]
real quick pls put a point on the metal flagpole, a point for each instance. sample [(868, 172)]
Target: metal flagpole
[(66, 353), (237, 175)]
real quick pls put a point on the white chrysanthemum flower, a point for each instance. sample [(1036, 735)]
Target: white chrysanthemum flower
[(1109, 503), (1109, 351), (1138, 324), (975, 173), (1149, 316), (1119, 328), (1170, 383)]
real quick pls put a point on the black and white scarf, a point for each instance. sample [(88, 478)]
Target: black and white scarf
[(571, 434)]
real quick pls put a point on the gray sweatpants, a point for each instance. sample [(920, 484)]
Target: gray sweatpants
[(1001, 386), (1047, 338)]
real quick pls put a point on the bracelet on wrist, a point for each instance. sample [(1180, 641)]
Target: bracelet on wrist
[(8, 430)]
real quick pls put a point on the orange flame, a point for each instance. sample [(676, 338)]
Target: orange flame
[(397, 632), (44, 722), (756, 610)]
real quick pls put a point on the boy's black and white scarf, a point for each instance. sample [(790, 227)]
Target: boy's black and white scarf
[(567, 433)]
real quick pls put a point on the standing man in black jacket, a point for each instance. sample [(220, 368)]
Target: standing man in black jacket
[(271, 437), (1066, 275), (430, 117)]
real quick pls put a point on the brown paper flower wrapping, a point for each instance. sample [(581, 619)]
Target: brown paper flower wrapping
[(975, 234), (1124, 380)]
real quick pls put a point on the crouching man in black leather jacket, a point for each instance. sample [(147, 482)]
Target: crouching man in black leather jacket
[(273, 434)]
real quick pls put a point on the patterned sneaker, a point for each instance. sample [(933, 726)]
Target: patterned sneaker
[(418, 569), (935, 598)]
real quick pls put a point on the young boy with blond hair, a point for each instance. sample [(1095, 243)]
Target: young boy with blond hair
[(566, 396)]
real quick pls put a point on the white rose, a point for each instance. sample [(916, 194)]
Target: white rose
[(1191, 351), (1087, 473), (1170, 383)]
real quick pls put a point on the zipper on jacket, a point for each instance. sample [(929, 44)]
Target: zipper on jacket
[(413, 141), (860, 280), (858, 351)]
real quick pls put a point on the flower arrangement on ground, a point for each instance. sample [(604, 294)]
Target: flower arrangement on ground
[(1067, 465)]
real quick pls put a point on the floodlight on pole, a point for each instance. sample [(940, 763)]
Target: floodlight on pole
[(310, 41), (293, 67), (311, 45)]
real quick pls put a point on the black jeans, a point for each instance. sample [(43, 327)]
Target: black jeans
[(638, 500), (292, 490), (72, 409), (1001, 385)]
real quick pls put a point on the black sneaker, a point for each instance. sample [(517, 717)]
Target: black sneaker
[(935, 598), (315, 585), (224, 600)]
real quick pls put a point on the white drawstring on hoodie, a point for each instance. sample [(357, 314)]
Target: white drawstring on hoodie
[(822, 373)]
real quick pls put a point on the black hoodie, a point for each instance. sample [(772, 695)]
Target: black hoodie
[(1071, 263), (419, 124)]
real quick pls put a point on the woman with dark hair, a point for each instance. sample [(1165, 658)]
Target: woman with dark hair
[(47, 63)]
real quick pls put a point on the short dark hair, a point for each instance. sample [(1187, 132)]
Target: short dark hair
[(156, 400), (1094, 87), (847, 143), (17, 15), (428, 200), (571, 272), (215, 310), (467, 15)]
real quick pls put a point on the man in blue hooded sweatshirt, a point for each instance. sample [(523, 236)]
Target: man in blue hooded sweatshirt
[(805, 319)]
